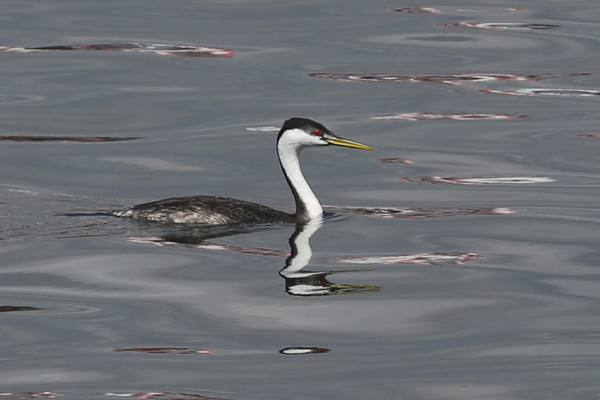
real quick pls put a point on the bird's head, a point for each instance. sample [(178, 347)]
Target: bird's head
[(303, 132)]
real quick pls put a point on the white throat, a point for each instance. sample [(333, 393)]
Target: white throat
[(288, 149)]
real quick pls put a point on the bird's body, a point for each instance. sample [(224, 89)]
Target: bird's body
[(207, 210), (295, 134)]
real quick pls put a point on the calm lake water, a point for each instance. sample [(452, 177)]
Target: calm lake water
[(473, 274)]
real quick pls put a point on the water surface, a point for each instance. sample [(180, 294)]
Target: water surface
[(476, 277)]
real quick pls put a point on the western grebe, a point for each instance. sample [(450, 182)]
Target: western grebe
[(295, 134)]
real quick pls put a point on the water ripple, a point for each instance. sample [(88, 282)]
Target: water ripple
[(490, 180), (160, 49), (424, 116), (20, 98), (457, 10), (81, 139), (436, 258), (448, 79), (546, 92), (498, 25)]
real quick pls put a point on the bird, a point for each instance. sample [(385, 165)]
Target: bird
[(296, 134)]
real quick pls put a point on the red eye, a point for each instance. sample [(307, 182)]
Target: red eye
[(318, 132)]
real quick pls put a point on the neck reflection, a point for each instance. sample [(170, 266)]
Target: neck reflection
[(300, 282)]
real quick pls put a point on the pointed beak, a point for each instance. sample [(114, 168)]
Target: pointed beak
[(338, 141)]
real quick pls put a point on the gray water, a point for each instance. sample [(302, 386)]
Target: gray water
[(461, 288)]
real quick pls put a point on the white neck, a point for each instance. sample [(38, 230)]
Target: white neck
[(307, 204)]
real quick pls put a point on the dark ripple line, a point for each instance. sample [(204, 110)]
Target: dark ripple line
[(546, 92), (80, 139), (448, 79), (498, 25), (160, 49)]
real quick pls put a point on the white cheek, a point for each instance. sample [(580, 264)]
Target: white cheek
[(298, 138)]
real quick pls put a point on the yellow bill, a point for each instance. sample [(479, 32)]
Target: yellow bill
[(338, 141)]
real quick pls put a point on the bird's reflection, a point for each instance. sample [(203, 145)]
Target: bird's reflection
[(298, 281), (301, 282)]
